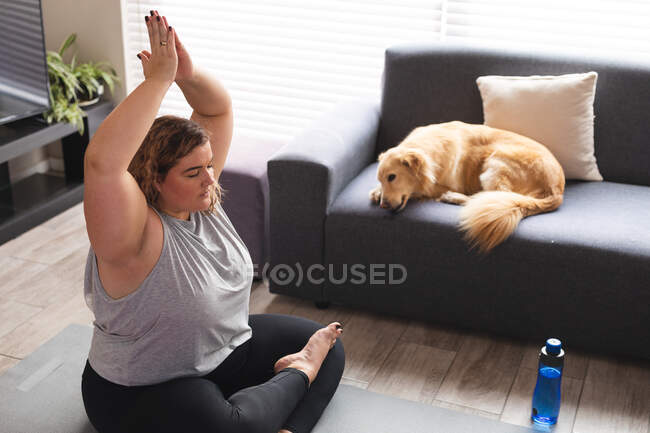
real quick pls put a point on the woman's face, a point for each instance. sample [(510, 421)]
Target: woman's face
[(188, 184)]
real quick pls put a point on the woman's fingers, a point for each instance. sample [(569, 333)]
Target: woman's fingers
[(177, 41), (149, 30), (172, 43), (162, 61), (165, 27), (155, 34), (162, 31), (144, 61), (169, 34), (160, 22)]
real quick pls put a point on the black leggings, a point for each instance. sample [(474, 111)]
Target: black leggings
[(241, 395)]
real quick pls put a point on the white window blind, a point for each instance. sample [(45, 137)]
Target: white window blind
[(617, 28), (284, 62)]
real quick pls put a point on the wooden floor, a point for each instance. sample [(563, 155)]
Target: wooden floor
[(41, 292)]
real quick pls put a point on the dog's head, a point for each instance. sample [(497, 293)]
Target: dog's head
[(402, 173)]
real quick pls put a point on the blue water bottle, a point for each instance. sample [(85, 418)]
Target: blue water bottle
[(546, 398)]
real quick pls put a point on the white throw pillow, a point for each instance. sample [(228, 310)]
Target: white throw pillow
[(557, 111)]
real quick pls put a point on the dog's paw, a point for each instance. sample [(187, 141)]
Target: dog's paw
[(453, 198), (375, 195)]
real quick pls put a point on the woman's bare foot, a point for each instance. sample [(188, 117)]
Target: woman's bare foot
[(310, 358)]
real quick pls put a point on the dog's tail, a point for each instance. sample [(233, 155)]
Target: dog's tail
[(489, 217)]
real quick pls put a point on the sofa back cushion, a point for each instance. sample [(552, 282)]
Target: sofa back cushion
[(436, 82)]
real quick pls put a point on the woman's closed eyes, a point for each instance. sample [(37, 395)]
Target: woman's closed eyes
[(197, 173)]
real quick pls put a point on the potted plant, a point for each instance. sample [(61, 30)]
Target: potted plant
[(91, 76), (75, 85), (63, 88)]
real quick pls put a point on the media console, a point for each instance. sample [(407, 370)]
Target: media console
[(37, 198)]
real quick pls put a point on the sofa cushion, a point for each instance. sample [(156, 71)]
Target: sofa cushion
[(555, 110), (436, 82), (560, 273), (595, 215)]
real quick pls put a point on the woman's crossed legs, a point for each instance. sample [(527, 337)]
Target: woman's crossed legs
[(280, 335), (243, 394)]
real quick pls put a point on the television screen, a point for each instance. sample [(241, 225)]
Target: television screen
[(24, 85)]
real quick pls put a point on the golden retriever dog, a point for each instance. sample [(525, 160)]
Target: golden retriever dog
[(499, 176)]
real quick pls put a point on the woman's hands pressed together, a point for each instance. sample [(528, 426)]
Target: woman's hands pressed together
[(159, 28), (171, 62), (162, 62), (185, 69)]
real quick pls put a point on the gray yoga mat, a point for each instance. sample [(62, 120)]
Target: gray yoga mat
[(42, 394)]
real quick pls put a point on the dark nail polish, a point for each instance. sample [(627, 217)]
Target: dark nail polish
[(151, 12), (158, 17), (338, 326), (170, 28), (146, 18), (139, 56)]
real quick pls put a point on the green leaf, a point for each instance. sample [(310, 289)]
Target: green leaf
[(67, 80), (54, 56), (109, 81), (67, 43)]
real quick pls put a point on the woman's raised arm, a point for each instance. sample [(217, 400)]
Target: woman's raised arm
[(119, 136), (211, 103), (114, 205)]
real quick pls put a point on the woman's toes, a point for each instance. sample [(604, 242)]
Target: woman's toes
[(337, 328), (334, 330), (334, 327)]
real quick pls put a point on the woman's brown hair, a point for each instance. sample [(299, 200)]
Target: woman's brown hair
[(169, 139)]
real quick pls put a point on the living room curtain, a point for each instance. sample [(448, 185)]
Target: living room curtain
[(285, 62)]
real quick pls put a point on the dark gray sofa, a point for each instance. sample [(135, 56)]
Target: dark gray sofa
[(581, 273)]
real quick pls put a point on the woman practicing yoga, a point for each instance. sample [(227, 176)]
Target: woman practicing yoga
[(168, 278)]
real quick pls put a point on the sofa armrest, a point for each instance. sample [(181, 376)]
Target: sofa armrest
[(305, 177), (331, 151)]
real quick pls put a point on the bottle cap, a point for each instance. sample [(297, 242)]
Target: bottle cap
[(553, 346)]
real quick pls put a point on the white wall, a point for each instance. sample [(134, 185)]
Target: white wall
[(99, 25)]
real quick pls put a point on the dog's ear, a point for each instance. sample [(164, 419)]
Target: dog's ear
[(381, 156), (417, 161), (413, 159)]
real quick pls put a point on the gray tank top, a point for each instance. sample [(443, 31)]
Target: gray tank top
[(186, 317)]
